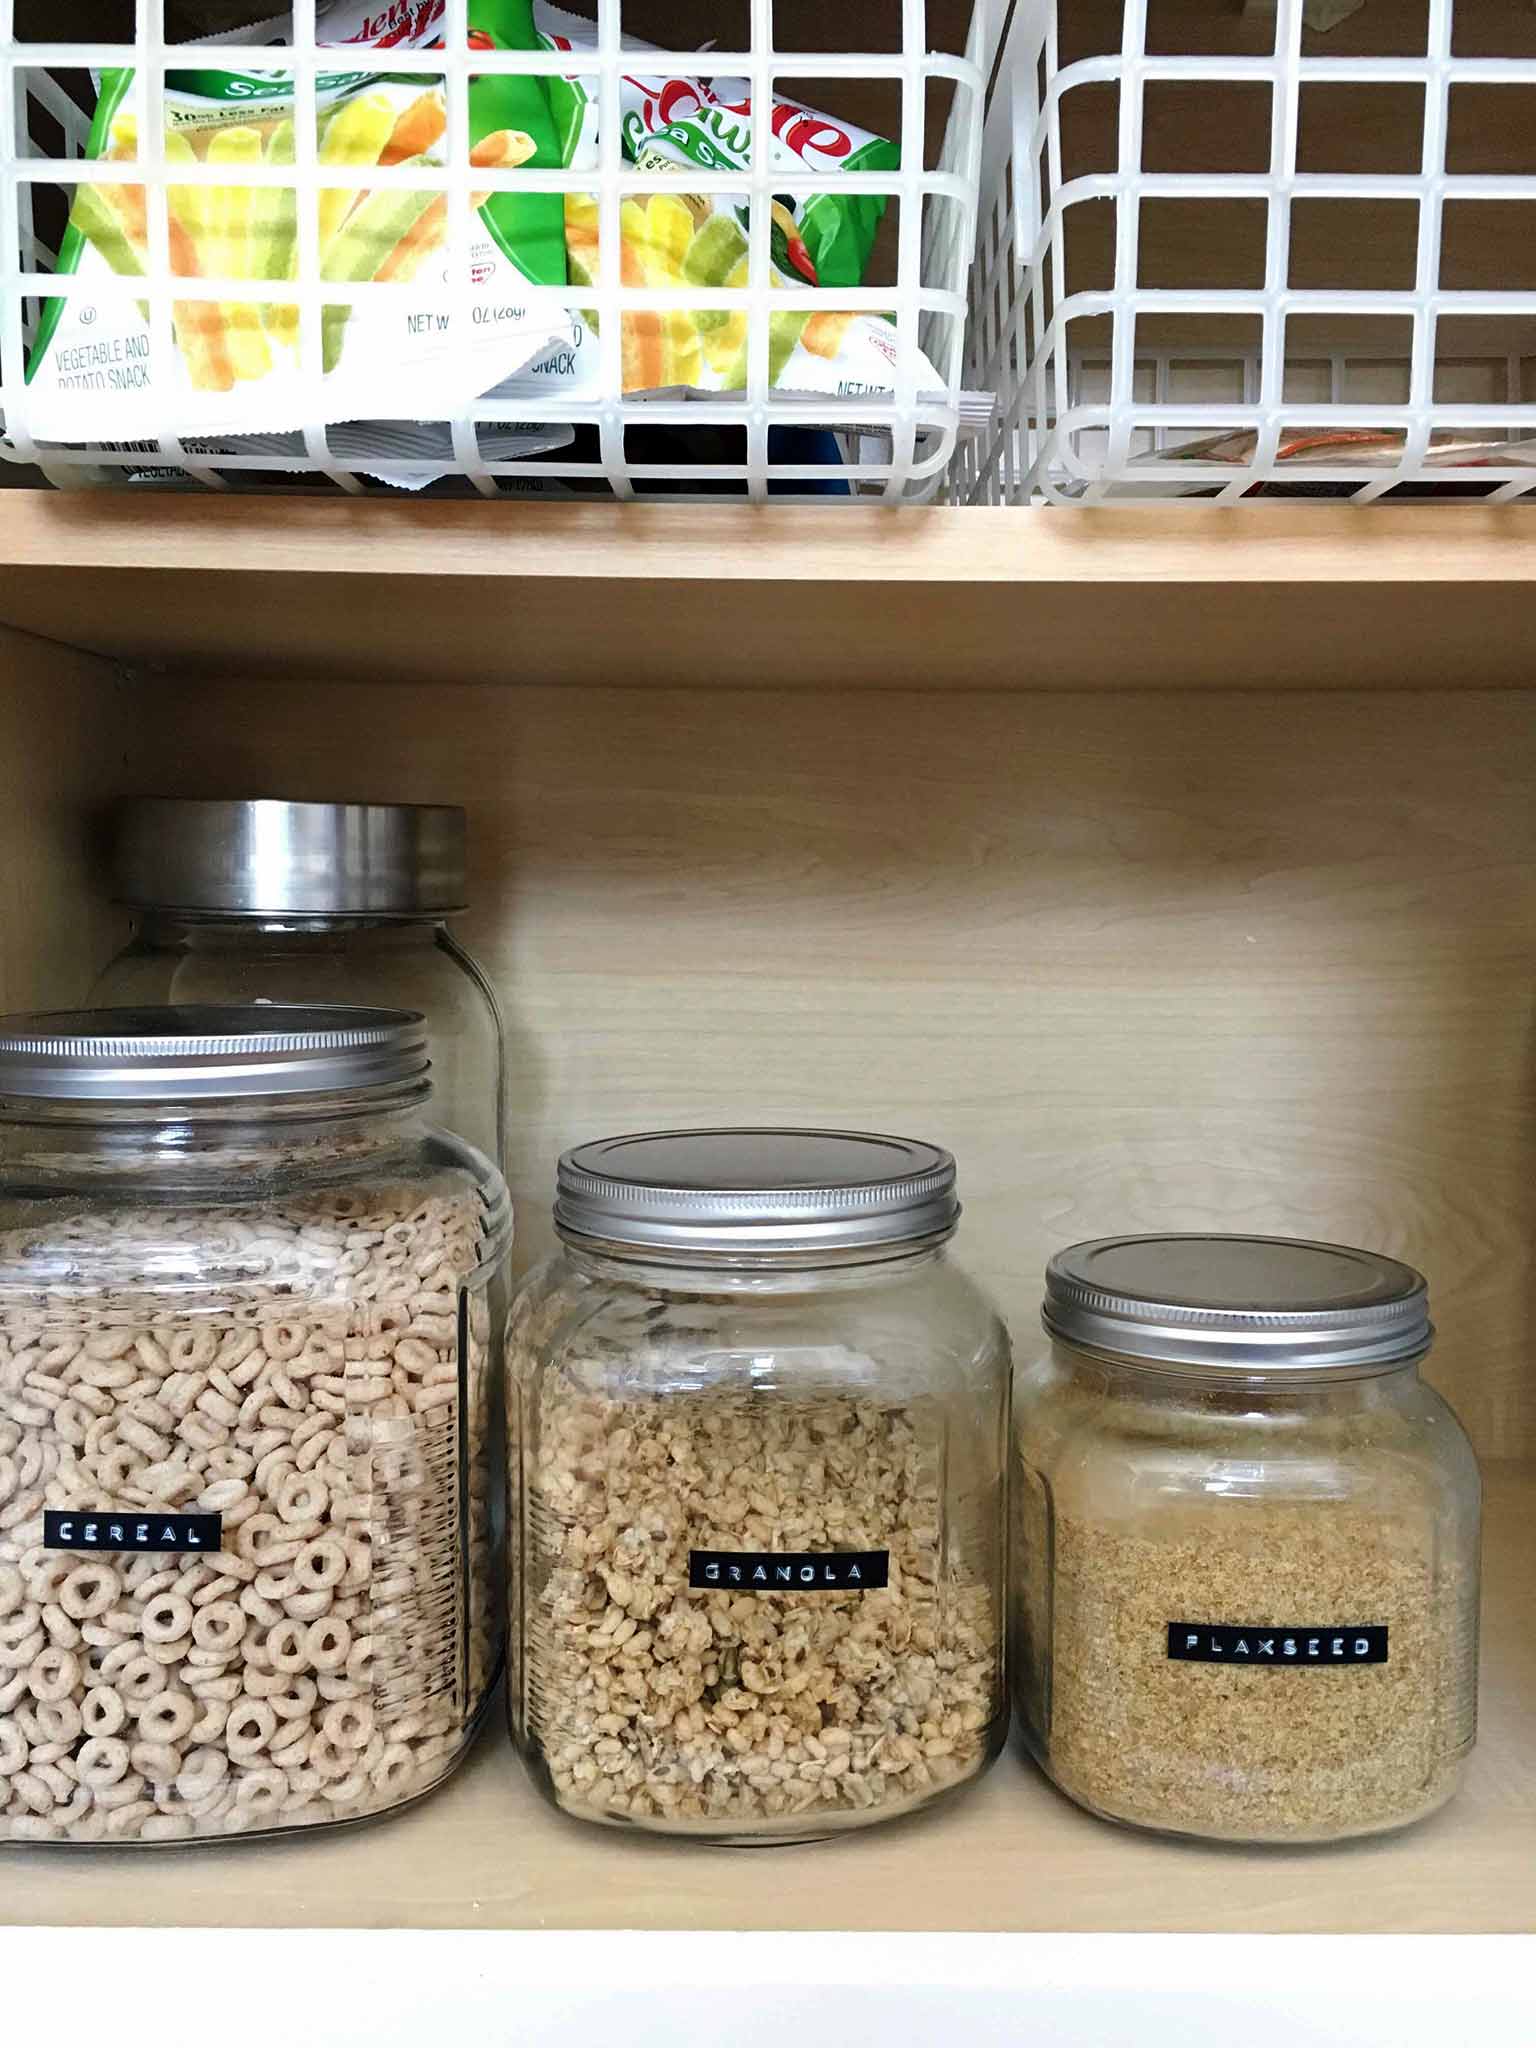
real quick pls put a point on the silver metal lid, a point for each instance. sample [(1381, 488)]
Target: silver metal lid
[(1251, 1305), (755, 1192), (207, 1051), (271, 858)]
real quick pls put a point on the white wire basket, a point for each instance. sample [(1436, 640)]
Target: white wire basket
[(1248, 248), (481, 410)]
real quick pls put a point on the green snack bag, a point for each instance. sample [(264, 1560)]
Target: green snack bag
[(706, 124), (102, 370)]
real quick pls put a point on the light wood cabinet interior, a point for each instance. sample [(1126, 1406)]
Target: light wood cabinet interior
[(1176, 866)]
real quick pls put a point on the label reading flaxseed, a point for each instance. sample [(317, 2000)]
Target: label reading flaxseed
[(1199, 1642), (131, 1532), (789, 1571)]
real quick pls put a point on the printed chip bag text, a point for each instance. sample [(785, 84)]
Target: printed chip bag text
[(236, 365)]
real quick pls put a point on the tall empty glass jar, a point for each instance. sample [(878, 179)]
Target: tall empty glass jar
[(272, 902), (1245, 1572), (758, 1427), (246, 1364)]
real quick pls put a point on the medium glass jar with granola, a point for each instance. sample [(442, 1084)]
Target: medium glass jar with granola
[(248, 1332), (757, 1437)]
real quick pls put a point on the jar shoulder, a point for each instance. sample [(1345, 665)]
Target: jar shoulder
[(934, 1329), (246, 965), (257, 1235), (1140, 1439)]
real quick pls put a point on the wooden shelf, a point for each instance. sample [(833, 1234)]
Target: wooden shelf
[(1010, 1857), (1164, 596)]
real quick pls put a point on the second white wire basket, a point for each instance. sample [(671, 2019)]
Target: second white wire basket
[(1272, 246)]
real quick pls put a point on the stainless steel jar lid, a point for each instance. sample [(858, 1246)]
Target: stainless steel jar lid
[(269, 858), (1246, 1304), (755, 1192), (208, 1051)]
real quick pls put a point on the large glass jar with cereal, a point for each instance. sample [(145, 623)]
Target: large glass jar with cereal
[(1245, 1571), (247, 1337), (758, 1422)]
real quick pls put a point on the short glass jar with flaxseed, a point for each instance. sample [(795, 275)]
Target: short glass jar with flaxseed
[(1245, 1534), (758, 1430)]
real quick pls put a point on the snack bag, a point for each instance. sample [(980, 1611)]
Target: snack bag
[(667, 240), (97, 372)]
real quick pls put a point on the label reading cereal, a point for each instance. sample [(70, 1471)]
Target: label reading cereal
[(114, 1531)]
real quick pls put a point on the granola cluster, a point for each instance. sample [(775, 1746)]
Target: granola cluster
[(745, 1712)]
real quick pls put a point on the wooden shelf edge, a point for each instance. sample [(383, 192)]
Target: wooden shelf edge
[(1180, 543)]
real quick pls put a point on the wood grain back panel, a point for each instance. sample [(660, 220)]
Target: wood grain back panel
[(1257, 962), (63, 755)]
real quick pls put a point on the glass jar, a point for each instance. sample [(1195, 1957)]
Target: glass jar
[(275, 902), (758, 1434), (1245, 1542), (246, 1365)]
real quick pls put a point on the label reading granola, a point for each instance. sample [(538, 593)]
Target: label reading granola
[(790, 1571), (113, 1531), (1199, 1642)]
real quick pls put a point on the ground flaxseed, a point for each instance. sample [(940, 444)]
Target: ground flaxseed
[(1254, 1754)]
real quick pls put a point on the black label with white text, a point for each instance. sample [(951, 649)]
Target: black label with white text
[(69, 1530), (789, 1571), (1201, 1642)]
